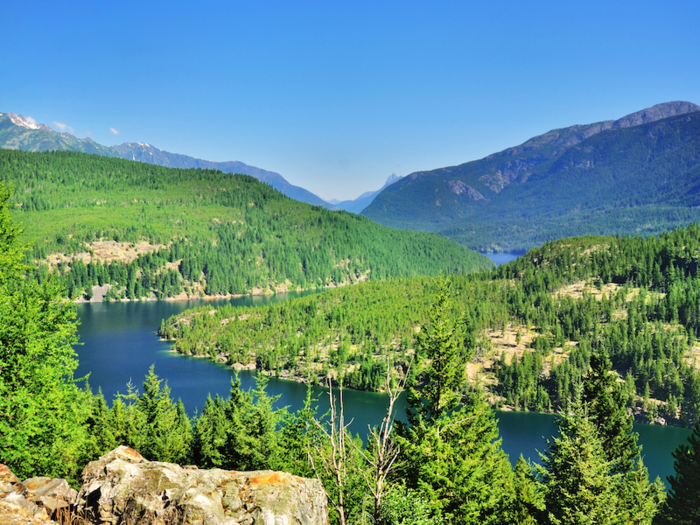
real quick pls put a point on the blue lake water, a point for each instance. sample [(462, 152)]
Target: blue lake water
[(501, 258), (119, 344)]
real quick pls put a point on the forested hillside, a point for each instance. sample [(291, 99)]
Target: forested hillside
[(145, 231), (533, 324), (445, 465), (637, 175), (19, 133)]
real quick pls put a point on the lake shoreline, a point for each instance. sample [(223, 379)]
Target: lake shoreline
[(119, 346), (638, 413), (185, 298)]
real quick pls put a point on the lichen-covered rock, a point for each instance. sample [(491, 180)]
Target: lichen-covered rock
[(15, 510), (15, 506), (10, 483), (122, 487), (55, 495)]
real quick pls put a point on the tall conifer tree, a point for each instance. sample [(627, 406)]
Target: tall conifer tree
[(453, 455), (607, 405), (43, 413), (579, 489)]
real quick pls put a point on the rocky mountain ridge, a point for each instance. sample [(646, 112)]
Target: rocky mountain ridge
[(566, 182)]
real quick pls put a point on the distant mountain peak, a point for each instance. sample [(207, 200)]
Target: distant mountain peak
[(364, 200), (654, 113), (26, 122), (392, 179)]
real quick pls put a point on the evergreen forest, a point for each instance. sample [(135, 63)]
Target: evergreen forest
[(599, 326), (637, 299), (145, 231)]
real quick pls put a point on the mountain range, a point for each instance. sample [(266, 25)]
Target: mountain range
[(19, 132), (364, 200), (635, 175), (638, 174)]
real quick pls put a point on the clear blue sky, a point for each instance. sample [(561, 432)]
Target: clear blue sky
[(336, 96)]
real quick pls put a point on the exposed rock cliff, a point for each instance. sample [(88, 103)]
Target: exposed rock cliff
[(123, 487)]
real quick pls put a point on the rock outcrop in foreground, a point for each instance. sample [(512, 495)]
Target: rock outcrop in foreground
[(123, 487), (33, 501)]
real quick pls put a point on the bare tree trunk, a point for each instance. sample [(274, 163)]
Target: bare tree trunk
[(385, 451), (334, 461)]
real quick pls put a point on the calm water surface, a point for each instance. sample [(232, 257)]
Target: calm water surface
[(119, 344), (501, 258)]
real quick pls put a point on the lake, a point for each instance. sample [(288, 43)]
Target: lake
[(119, 344), (501, 258)]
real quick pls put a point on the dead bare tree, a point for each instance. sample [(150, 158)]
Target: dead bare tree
[(334, 456), (384, 452)]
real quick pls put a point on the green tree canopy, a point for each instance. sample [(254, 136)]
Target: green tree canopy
[(43, 413), (579, 488), (451, 448)]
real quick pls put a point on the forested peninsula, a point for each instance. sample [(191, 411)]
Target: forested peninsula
[(534, 324), (129, 230)]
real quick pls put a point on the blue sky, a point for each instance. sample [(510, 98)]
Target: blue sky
[(336, 96)]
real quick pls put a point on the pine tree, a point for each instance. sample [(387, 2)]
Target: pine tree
[(297, 437), (528, 503), (641, 499), (682, 505), (167, 431), (43, 413), (579, 489), (607, 406), (252, 433), (209, 434), (451, 448), (605, 400), (100, 429), (441, 342), (126, 421)]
